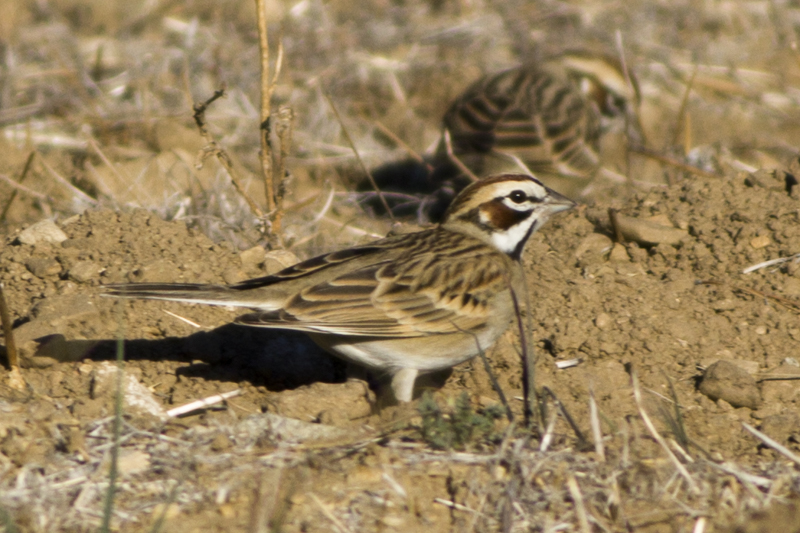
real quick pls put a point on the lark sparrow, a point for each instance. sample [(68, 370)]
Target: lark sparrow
[(403, 305), (546, 118)]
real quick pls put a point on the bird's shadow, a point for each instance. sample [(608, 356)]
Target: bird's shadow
[(276, 359)]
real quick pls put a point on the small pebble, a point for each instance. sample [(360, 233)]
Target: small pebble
[(44, 231), (761, 241), (603, 321)]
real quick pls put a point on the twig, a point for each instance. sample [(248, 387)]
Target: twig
[(183, 319), (212, 148), (358, 157), (652, 154), (637, 395), (577, 500), (769, 263), (202, 403), (18, 185), (781, 449)]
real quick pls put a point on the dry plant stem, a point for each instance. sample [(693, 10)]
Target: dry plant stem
[(22, 176), (454, 158), (597, 432), (493, 379), (285, 128), (770, 263), (571, 421), (637, 395), (266, 98), (106, 160), (528, 364), (637, 125), (580, 507), (780, 300), (358, 157), (328, 514), (25, 190), (783, 450), (398, 141), (682, 109), (700, 525), (202, 403), (265, 502), (212, 148), (274, 191), (787, 303), (652, 154), (59, 178), (8, 334)]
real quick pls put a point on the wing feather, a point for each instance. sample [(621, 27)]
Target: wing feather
[(423, 295)]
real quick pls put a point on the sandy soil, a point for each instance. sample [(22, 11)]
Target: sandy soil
[(664, 311), (301, 448)]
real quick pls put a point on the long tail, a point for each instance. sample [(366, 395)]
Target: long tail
[(185, 292)]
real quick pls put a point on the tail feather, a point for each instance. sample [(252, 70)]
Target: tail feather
[(183, 292)]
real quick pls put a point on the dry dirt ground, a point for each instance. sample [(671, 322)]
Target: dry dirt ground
[(102, 92)]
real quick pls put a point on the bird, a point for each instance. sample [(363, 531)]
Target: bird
[(546, 118), (404, 305)]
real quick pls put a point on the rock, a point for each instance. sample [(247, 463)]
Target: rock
[(619, 253), (277, 260), (781, 426), (726, 381), (44, 231), (138, 398), (751, 367), (42, 267), (253, 257), (234, 275), (84, 271), (649, 232)]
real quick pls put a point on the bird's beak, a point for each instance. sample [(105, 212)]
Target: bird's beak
[(557, 202)]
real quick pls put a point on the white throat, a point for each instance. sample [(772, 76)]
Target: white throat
[(507, 241)]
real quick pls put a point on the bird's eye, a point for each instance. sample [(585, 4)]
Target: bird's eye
[(518, 196)]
